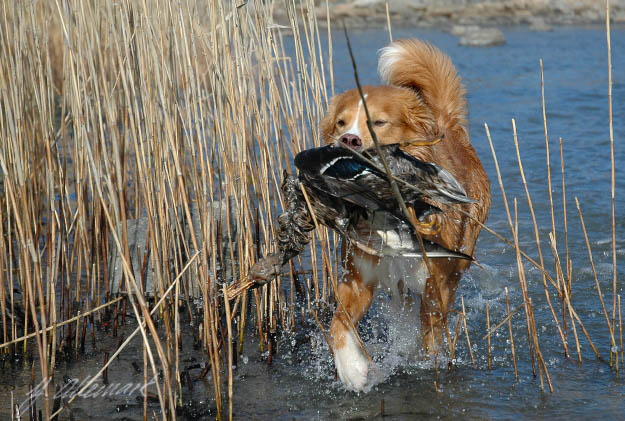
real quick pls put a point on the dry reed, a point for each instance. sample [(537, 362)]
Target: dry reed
[(511, 340), (141, 109), (490, 361)]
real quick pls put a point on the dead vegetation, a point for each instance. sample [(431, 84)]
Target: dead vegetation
[(150, 109)]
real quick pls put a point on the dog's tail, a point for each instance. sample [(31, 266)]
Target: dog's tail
[(424, 68)]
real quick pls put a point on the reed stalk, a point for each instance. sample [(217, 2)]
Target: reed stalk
[(230, 375), (594, 273), (532, 345), (66, 322), (537, 236), (612, 164), (566, 302), (452, 355), (564, 220), (466, 330), (547, 152), (549, 183), (516, 373), (388, 22), (620, 328), (490, 362)]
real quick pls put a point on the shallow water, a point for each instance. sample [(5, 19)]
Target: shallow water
[(503, 83)]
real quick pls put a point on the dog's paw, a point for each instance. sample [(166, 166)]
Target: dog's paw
[(351, 364)]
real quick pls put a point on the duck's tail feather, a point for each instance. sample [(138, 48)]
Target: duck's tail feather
[(451, 189)]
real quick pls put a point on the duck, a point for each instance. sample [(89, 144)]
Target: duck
[(349, 186), (359, 179), (347, 189)]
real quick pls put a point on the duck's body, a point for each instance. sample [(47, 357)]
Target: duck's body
[(353, 195), (361, 180)]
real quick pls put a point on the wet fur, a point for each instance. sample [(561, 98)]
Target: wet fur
[(424, 99)]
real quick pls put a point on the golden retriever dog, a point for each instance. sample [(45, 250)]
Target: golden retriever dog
[(424, 99)]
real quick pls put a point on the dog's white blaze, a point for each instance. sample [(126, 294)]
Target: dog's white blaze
[(354, 128), (351, 364), (388, 57)]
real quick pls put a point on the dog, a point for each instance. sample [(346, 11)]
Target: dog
[(424, 100)]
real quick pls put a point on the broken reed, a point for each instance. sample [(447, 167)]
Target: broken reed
[(131, 109)]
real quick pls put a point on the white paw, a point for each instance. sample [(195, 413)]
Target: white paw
[(351, 364)]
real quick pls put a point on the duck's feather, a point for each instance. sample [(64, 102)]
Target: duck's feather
[(343, 174), (343, 186), (390, 236)]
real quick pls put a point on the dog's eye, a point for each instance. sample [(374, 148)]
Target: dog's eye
[(340, 123), (379, 123)]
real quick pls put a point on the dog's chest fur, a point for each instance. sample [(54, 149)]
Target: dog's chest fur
[(395, 273)]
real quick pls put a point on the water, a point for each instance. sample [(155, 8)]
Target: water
[(503, 83)]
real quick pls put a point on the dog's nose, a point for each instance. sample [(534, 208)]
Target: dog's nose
[(351, 140)]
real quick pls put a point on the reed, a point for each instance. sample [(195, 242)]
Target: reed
[(620, 328), (594, 273), (536, 230), (145, 110), (512, 349), (612, 166), (466, 330), (490, 361), (452, 347)]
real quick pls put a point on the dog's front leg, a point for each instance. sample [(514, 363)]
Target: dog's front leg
[(436, 302), (432, 316), (354, 297)]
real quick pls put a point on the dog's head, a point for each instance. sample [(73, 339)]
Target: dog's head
[(398, 115)]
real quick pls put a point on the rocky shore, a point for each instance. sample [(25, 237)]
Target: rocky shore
[(538, 14)]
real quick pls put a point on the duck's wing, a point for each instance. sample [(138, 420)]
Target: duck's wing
[(343, 174), (429, 179)]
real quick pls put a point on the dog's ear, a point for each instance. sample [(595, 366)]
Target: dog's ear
[(419, 118), (328, 122)]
